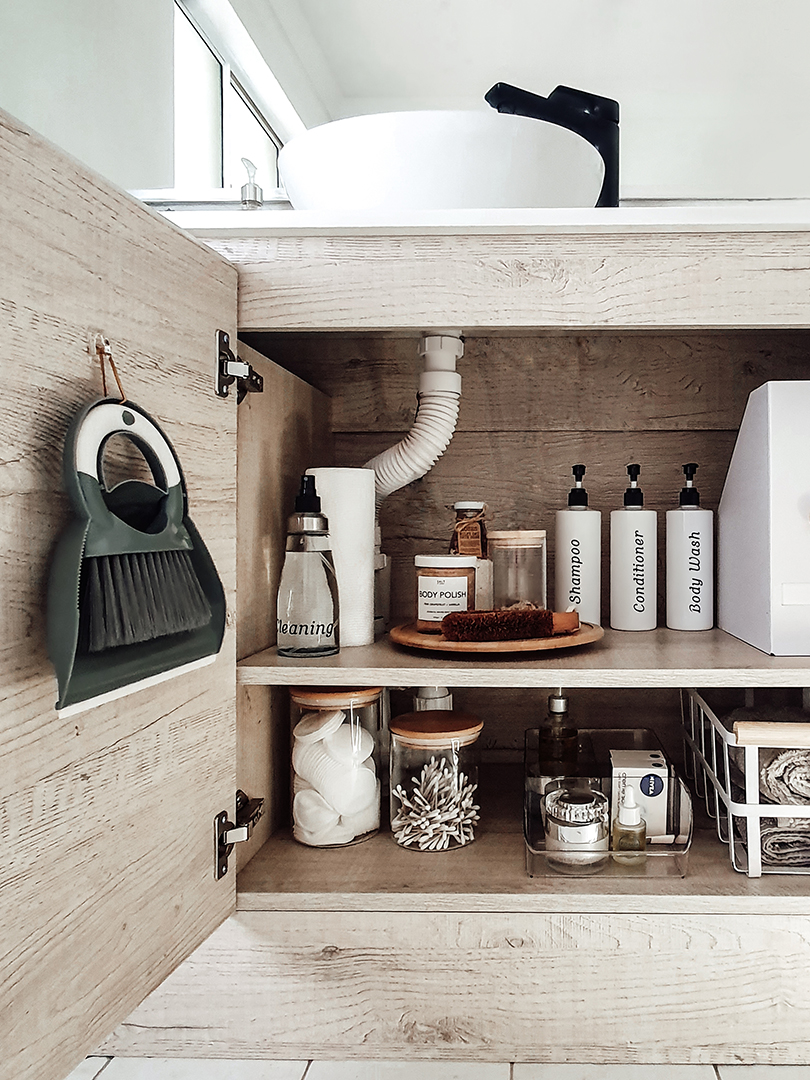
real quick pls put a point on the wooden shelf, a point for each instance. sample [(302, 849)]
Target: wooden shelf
[(490, 875), (660, 658)]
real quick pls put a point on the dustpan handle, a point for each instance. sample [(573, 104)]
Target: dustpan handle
[(112, 418)]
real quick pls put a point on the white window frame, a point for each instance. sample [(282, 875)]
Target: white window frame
[(243, 68)]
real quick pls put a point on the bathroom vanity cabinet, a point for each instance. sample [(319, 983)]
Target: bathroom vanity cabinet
[(604, 338)]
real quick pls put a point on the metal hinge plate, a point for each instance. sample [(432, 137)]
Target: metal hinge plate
[(230, 369), (226, 833)]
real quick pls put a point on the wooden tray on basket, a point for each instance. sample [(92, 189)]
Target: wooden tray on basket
[(407, 634)]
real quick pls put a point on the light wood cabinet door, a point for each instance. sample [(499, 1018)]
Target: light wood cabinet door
[(106, 817)]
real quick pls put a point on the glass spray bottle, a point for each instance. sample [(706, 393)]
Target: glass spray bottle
[(307, 607)]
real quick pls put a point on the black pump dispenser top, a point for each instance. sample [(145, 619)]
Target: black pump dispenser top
[(690, 496), (306, 501), (634, 495), (578, 496)]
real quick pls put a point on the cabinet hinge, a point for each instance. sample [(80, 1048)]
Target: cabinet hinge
[(230, 369), (226, 833)]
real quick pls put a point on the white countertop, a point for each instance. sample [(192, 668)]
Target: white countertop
[(754, 216)]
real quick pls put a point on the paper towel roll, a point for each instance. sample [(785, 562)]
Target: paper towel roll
[(347, 500)]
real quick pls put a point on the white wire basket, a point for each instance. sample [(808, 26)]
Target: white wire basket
[(726, 766)]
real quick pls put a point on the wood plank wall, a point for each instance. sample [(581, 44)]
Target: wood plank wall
[(532, 405)]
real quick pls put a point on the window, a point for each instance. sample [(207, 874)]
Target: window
[(198, 80), (227, 105)]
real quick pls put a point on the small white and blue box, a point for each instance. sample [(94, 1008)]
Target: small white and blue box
[(647, 772)]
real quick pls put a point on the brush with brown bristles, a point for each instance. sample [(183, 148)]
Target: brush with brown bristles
[(508, 624)]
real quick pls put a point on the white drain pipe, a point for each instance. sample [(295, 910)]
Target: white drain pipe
[(435, 421), (418, 452)]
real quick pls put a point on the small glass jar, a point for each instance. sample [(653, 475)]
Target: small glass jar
[(444, 583), (470, 530), (577, 826), (434, 779), (335, 765), (518, 568)]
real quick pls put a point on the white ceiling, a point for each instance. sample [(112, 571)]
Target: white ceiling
[(712, 93)]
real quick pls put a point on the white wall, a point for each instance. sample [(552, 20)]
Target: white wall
[(713, 93), (94, 77)]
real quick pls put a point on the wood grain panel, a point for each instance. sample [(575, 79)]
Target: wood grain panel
[(556, 988), (575, 381), (106, 817), (665, 658), (281, 432), (524, 477), (624, 278)]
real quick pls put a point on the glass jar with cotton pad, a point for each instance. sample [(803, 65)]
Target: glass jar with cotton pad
[(335, 765)]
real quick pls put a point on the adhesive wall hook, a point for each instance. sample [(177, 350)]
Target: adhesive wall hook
[(103, 350)]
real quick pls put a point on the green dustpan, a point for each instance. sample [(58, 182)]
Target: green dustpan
[(132, 593)]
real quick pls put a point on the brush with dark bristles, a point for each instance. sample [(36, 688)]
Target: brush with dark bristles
[(136, 597), (133, 592)]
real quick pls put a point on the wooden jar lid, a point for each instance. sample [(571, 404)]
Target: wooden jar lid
[(436, 727), (334, 697)]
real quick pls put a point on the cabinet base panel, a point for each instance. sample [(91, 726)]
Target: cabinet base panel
[(577, 987)]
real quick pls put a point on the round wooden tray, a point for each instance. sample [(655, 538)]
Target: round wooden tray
[(407, 634)]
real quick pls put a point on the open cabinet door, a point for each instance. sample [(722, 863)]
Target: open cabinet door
[(107, 816)]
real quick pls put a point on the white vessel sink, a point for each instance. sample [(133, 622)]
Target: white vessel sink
[(439, 160)]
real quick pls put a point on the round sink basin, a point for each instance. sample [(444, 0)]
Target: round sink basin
[(439, 160)]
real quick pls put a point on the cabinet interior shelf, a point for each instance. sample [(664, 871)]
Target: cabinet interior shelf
[(660, 658), (489, 875)]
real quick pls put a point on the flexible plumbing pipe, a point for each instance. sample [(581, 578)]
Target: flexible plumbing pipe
[(434, 424)]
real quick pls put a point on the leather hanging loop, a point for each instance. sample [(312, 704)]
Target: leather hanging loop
[(105, 356)]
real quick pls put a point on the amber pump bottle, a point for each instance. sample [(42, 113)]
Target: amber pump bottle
[(558, 743)]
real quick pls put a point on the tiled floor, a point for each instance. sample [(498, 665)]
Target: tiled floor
[(99, 1068)]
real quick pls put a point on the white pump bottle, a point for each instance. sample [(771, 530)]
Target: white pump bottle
[(578, 555), (690, 561), (633, 561)]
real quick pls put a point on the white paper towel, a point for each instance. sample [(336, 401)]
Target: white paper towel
[(347, 500)]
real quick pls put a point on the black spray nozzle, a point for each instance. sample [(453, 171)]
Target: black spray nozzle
[(578, 496), (633, 496), (593, 117), (307, 501), (690, 496)]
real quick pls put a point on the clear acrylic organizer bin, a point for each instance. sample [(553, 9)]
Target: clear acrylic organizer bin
[(669, 859), (725, 765)]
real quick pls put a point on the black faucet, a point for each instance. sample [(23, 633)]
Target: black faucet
[(594, 118)]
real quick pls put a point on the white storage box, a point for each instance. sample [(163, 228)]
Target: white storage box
[(647, 773), (740, 773), (763, 524)]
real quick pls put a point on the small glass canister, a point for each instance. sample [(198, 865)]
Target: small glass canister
[(434, 779), (335, 765), (518, 568)]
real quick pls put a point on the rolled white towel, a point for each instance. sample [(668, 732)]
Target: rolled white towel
[(785, 776)]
